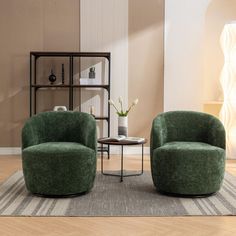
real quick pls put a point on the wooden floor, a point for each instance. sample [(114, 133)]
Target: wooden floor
[(112, 226)]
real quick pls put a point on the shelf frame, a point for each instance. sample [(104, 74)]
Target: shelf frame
[(34, 87), (38, 86)]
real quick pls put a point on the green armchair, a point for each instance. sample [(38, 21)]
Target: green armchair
[(59, 153), (187, 153)]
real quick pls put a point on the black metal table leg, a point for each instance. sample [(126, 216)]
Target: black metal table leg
[(108, 152), (102, 158), (142, 159), (122, 157)]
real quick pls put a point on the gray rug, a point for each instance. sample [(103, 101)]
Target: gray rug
[(136, 196)]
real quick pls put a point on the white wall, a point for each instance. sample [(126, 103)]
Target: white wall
[(184, 54), (193, 56), (219, 13), (104, 27)]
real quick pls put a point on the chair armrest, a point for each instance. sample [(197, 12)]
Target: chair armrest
[(216, 133), (88, 131), (29, 135), (158, 134)]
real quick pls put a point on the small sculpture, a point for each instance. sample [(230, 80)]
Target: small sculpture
[(92, 111), (60, 108), (52, 78), (92, 74)]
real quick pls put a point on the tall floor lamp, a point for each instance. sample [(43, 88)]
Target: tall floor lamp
[(228, 82)]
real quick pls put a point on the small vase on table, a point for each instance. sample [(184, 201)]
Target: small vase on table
[(122, 116), (123, 125)]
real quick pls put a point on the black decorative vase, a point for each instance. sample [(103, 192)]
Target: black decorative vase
[(52, 78), (62, 74)]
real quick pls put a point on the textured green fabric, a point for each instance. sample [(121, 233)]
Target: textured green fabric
[(59, 153), (187, 153)]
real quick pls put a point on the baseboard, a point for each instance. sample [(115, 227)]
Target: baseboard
[(10, 151), (129, 150)]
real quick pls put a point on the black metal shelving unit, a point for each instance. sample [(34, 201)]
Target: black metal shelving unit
[(34, 86)]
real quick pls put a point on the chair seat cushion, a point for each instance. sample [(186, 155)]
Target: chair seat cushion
[(188, 146), (191, 168), (59, 168), (58, 148)]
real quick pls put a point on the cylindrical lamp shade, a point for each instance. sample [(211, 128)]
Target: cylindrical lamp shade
[(228, 82)]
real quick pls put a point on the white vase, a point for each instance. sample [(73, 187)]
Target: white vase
[(123, 125)]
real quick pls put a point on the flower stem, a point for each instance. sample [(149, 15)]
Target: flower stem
[(115, 108)]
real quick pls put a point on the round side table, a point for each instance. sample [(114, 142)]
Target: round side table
[(121, 143)]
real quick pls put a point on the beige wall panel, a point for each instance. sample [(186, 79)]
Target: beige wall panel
[(24, 26), (146, 68), (61, 25)]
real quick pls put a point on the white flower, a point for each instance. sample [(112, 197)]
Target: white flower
[(111, 102), (121, 104), (121, 111), (135, 102)]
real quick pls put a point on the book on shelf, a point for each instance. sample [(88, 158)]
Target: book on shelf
[(123, 138)]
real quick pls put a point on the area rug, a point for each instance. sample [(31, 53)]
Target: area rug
[(136, 196)]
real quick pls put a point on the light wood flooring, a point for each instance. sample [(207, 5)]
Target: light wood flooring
[(112, 226)]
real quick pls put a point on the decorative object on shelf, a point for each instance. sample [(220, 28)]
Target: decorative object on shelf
[(92, 73), (123, 115), (52, 77), (92, 111), (228, 82), (60, 108), (62, 74)]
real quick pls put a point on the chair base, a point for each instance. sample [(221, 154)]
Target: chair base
[(73, 195), (186, 195)]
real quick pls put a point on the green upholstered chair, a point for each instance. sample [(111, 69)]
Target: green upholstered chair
[(59, 153), (187, 153)]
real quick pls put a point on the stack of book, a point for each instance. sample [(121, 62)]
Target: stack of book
[(124, 138)]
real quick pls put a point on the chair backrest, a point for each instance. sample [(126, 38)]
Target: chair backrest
[(59, 127), (186, 126)]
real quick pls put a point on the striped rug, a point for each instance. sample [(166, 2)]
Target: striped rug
[(136, 196)]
